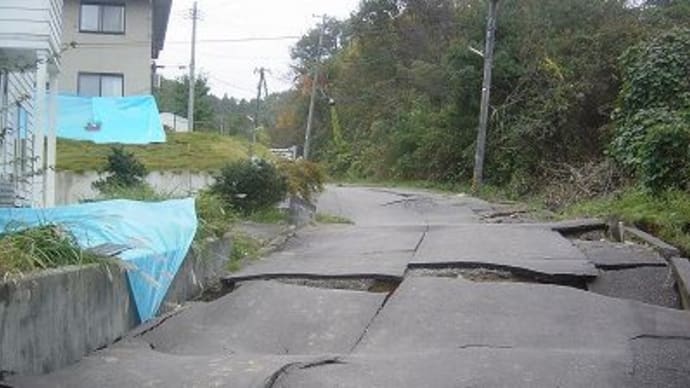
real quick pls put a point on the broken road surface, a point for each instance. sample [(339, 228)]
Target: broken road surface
[(387, 302)]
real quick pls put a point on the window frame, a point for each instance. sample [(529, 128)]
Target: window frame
[(100, 81), (100, 6), (22, 137)]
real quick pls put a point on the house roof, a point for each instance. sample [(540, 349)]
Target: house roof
[(161, 14)]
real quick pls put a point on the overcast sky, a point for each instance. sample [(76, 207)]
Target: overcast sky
[(230, 65)]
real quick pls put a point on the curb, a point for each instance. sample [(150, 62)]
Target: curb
[(666, 250), (681, 269)]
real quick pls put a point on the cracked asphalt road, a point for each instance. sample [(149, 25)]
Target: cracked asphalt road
[(338, 308)]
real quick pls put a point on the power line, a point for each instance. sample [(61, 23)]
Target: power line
[(363, 31), (229, 84)]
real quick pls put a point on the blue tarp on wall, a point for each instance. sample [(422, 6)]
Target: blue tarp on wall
[(160, 235), (104, 120)]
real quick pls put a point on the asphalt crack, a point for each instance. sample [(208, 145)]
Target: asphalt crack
[(484, 346), (659, 337), (143, 330), (287, 368), (373, 318), (421, 239)]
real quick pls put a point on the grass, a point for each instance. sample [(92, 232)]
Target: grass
[(214, 217), (244, 248), (144, 193), (666, 216), (195, 152), (271, 215), (325, 218), (40, 248)]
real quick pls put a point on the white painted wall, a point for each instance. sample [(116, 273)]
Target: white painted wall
[(31, 24), (128, 54), (75, 187), (175, 122), (30, 48)]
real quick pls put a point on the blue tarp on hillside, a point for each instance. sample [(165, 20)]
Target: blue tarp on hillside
[(104, 120), (160, 235)]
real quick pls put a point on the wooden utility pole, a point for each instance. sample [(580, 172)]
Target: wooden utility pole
[(192, 64), (486, 95), (259, 88), (314, 84)]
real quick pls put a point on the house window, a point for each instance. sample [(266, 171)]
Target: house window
[(102, 18), (100, 85)]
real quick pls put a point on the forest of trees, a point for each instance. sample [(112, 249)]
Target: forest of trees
[(577, 86), (588, 93)]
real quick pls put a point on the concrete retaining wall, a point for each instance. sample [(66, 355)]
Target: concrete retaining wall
[(72, 187), (201, 270), (53, 318)]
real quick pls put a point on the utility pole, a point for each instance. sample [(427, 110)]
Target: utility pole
[(486, 95), (259, 88), (314, 82), (192, 64)]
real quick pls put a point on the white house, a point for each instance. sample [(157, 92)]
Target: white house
[(117, 43), (30, 48)]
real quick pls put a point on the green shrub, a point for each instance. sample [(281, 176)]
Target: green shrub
[(304, 178), (631, 134), (653, 113), (250, 185), (665, 157), (656, 73), (123, 169)]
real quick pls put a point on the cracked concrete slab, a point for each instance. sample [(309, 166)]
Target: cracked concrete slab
[(357, 240), (134, 364), (371, 206), (442, 313), (508, 247), (611, 255), (270, 318), (473, 367), (343, 251)]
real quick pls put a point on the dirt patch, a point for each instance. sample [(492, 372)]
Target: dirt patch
[(358, 284), (473, 274), (217, 291)]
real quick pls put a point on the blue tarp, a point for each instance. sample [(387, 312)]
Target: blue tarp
[(104, 120), (160, 234)]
